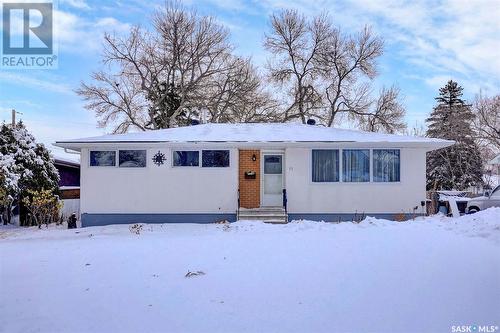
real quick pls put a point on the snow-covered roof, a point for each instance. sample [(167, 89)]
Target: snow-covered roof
[(255, 133), (69, 187), (66, 161)]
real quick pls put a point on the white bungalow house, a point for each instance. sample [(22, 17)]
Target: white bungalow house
[(211, 172)]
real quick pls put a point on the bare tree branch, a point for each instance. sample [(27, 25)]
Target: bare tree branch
[(344, 62), (487, 120), (163, 78), (388, 115), (295, 43)]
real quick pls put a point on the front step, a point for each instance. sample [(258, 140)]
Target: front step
[(266, 214)]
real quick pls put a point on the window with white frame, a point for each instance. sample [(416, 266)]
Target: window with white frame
[(132, 158), (325, 165), (102, 158), (356, 165), (186, 158), (386, 165), (215, 158)]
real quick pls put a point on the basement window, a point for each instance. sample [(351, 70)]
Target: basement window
[(132, 158), (102, 158), (186, 158), (215, 158)]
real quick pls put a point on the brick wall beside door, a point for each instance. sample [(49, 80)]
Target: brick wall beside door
[(249, 188)]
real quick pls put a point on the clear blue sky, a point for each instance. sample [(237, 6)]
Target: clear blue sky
[(427, 43)]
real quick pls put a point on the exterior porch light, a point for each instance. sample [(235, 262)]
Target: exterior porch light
[(254, 158)]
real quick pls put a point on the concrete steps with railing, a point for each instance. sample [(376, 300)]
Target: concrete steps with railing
[(266, 214)]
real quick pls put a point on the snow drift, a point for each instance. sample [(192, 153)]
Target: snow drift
[(425, 275)]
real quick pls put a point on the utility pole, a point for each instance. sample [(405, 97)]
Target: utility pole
[(14, 117)]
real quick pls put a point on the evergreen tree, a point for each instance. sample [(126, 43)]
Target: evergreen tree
[(24, 165), (458, 166)]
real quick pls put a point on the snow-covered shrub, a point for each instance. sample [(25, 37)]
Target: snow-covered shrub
[(358, 218), (5, 200), (135, 229), (226, 226), (400, 217)]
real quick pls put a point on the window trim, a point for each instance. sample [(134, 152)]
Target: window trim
[(339, 167), (370, 171), (103, 166), (173, 150), (373, 169), (263, 171), (139, 167), (200, 152), (117, 158), (216, 167)]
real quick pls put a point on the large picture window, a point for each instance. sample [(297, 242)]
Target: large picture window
[(102, 158), (215, 158), (186, 158), (356, 165), (325, 165), (132, 158), (386, 165)]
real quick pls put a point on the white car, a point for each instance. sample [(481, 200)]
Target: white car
[(490, 199)]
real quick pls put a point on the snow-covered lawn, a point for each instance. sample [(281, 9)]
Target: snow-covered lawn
[(425, 275)]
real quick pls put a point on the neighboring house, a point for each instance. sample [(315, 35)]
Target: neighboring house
[(69, 171), (204, 173), (69, 185)]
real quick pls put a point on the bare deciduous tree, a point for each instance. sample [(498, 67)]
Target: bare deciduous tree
[(328, 73), (345, 62), (295, 43), (163, 78), (388, 114), (418, 129), (487, 120), (238, 96)]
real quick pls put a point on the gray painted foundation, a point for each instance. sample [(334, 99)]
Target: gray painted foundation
[(91, 220), (346, 217)]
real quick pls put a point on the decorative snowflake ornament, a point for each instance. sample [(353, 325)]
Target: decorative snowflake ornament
[(159, 158)]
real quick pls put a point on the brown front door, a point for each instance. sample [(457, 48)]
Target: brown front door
[(249, 178)]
